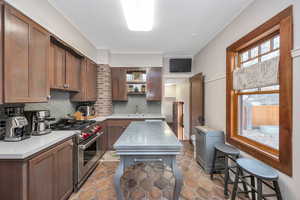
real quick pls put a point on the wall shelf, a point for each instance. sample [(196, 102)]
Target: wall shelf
[(136, 82), (136, 93)]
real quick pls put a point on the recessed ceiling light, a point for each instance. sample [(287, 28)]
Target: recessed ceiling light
[(139, 14)]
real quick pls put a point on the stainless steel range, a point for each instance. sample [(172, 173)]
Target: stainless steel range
[(89, 146)]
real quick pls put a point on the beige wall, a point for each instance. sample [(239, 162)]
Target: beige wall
[(135, 60), (47, 16), (170, 90), (211, 60)]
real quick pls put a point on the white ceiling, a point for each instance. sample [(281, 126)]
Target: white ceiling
[(181, 27)]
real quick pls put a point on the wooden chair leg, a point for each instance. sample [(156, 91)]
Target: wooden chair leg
[(277, 190), (226, 178), (236, 182), (244, 185), (253, 195), (259, 190), (213, 165)]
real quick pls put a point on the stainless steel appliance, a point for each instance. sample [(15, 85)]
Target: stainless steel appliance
[(87, 110), (16, 129), (89, 146), (38, 121)]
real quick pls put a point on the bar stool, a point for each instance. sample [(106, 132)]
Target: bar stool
[(227, 152), (262, 173)]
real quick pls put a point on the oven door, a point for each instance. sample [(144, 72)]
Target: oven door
[(88, 155)]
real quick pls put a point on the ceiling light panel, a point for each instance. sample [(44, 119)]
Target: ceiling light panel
[(139, 14)]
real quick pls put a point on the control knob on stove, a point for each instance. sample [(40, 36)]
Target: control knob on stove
[(85, 135)]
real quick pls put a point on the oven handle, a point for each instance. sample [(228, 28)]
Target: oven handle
[(85, 146)]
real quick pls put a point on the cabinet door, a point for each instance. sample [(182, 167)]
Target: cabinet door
[(154, 84), (59, 68), (42, 176), (73, 72), (114, 132), (115, 83), (196, 101), (38, 65), (51, 66), (64, 170), (16, 39), (91, 80), (1, 50), (119, 85)]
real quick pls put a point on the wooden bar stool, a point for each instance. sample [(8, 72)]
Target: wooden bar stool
[(262, 173), (227, 152)]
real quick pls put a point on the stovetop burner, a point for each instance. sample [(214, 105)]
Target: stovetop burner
[(71, 124)]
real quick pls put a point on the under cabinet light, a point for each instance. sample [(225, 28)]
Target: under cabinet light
[(139, 14)]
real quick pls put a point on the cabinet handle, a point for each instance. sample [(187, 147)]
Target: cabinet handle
[(66, 85)]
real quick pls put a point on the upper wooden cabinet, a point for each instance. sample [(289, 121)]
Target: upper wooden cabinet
[(1, 50), (91, 81), (88, 87), (64, 70), (26, 57), (73, 72), (57, 67), (154, 84), (119, 85)]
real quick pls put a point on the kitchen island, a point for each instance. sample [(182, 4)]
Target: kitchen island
[(148, 141)]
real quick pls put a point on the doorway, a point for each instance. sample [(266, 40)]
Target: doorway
[(175, 105), (196, 102)]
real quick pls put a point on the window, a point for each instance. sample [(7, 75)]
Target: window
[(259, 120), (258, 108)]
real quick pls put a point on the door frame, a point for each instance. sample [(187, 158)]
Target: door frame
[(196, 76)]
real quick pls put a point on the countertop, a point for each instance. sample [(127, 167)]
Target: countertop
[(28, 147), (130, 116), (148, 136)]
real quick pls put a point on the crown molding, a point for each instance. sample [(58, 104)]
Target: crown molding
[(296, 53)]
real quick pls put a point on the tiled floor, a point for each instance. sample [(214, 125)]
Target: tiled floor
[(152, 182)]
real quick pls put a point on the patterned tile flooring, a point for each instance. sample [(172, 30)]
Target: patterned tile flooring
[(152, 181)]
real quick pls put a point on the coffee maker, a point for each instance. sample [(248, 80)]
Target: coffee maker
[(38, 121), (16, 129)]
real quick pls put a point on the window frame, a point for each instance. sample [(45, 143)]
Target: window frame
[(281, 159)]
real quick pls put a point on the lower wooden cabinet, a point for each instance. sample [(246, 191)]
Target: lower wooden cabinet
[(42, 176), (115, 128), (47, 176), (114, 132), (64, 170), (51, 173)]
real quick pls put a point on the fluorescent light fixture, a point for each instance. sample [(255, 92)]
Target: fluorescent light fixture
[(139, 14)]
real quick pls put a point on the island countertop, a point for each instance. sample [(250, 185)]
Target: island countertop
[(130, 116), (28, 147), (148, 136)]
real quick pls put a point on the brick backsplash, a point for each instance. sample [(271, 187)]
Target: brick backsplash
[(103, 104)]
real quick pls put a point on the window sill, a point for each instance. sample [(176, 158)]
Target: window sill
[(257, 153)]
